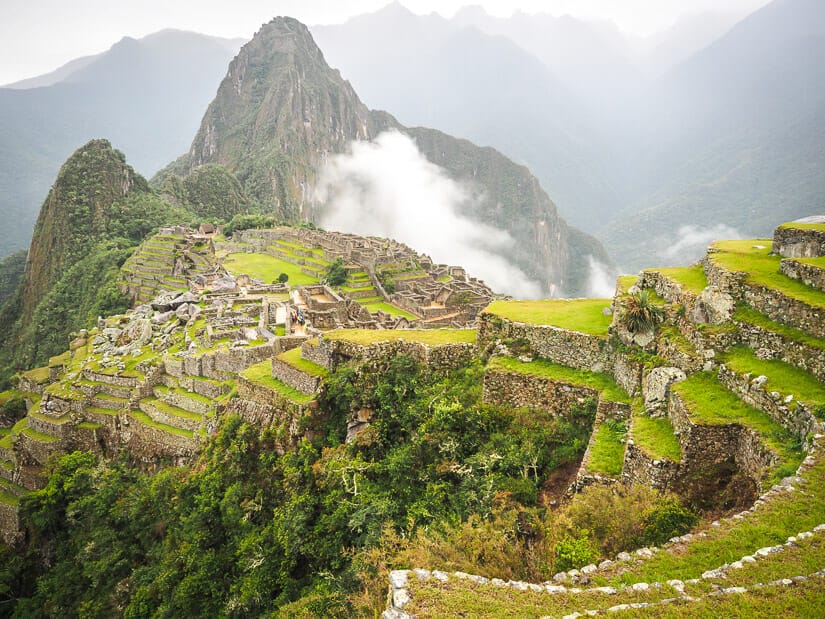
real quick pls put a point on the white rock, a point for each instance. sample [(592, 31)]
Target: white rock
[(400, 598), (555, 589), (640, 586), (605, 590), (399, 578), (589, 569), (438, 575), (735, 590)]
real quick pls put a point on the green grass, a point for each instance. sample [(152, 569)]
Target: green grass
[(675, 337), (100, 411), (148, 421), (89, 425), (749, 315), (655, 437), (818, 262), (710, 403), (800, 226), (64, 391), (7, 441), (626, 282), (599, 381), (191, 395), (38, 375), (261, 374), (293, 357), (691, 278), (173, 411), (267, 268), (61, 359), (763, 269), (582, 315), (607, 450), (782, 377), (389, 309), (432, 337), (41, 437), (444, 279)]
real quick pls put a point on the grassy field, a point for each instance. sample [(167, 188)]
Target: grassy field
[(691, 278), (782, 377), (607, 451), (433, 337), (267, 268), (655, 437), (798, 226), (599, 381), (389, 309), (582, 315), (753, 257)]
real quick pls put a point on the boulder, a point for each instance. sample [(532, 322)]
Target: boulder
[(713, 306), (656, 389)]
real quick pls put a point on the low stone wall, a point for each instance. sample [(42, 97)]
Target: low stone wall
[(793, 416), (435, 358), (798, 243), (149, 444), (121, 381), (806, 273), (640, 468), (772, 345), (193, 405), (570, 348), (504, 388), (27, 385), (319, 355), (58, 429), (706, 445), (294, 377), (157, 414), (670, 290), (780, 308)]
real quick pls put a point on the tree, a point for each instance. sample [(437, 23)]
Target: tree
[(283, 278), (336, 273)]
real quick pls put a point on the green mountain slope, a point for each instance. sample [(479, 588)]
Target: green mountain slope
[(281, 111)]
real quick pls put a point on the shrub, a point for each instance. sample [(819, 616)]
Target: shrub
[(283, 278), (574, 552), (336, 273), (640, 314), (667, 519)]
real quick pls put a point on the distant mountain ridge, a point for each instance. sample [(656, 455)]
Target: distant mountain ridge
[(281, 110), (144, 95)]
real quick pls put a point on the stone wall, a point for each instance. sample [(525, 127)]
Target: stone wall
[(640, 468), (312, 351), (706, 445), (794, 416), (294, 377), (798, 243), (628, 373), (10, 532), (435, 358), (806, 273), (148, 443), (772, 345), (570, 348), (504, 388)]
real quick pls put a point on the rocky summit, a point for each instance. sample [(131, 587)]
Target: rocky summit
[(281, 111)]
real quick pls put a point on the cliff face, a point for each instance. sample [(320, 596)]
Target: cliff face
[(79, 209), (281, 111)]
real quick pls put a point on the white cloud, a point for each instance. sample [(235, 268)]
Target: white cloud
[(388, 188)]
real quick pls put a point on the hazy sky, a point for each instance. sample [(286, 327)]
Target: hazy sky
[(37, 36)]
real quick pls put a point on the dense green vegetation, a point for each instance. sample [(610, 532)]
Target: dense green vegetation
[(245, 531), (11, 271), (210, 191)]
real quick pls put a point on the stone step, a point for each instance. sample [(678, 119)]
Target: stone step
[(169, 415), (162, 438), (92, 388), (187, 400), (104, 400), (810, 271), (751, 275), (774, 340)]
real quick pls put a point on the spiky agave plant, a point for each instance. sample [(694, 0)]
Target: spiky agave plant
[(640, 314)]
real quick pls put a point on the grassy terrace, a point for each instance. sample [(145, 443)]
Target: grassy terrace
[(388, 308), (261, 374), (173, 411), (751, 316), (432, 337), (293, 357), (655, 437), (753, 257), (782, 377), (626, 282), (607, 450), (599, 381), (40, 437), (690, 278), (800, 226), (711, 404), (814, 262), (149, 422), (267, 268), (582, 315), (38, 375)]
